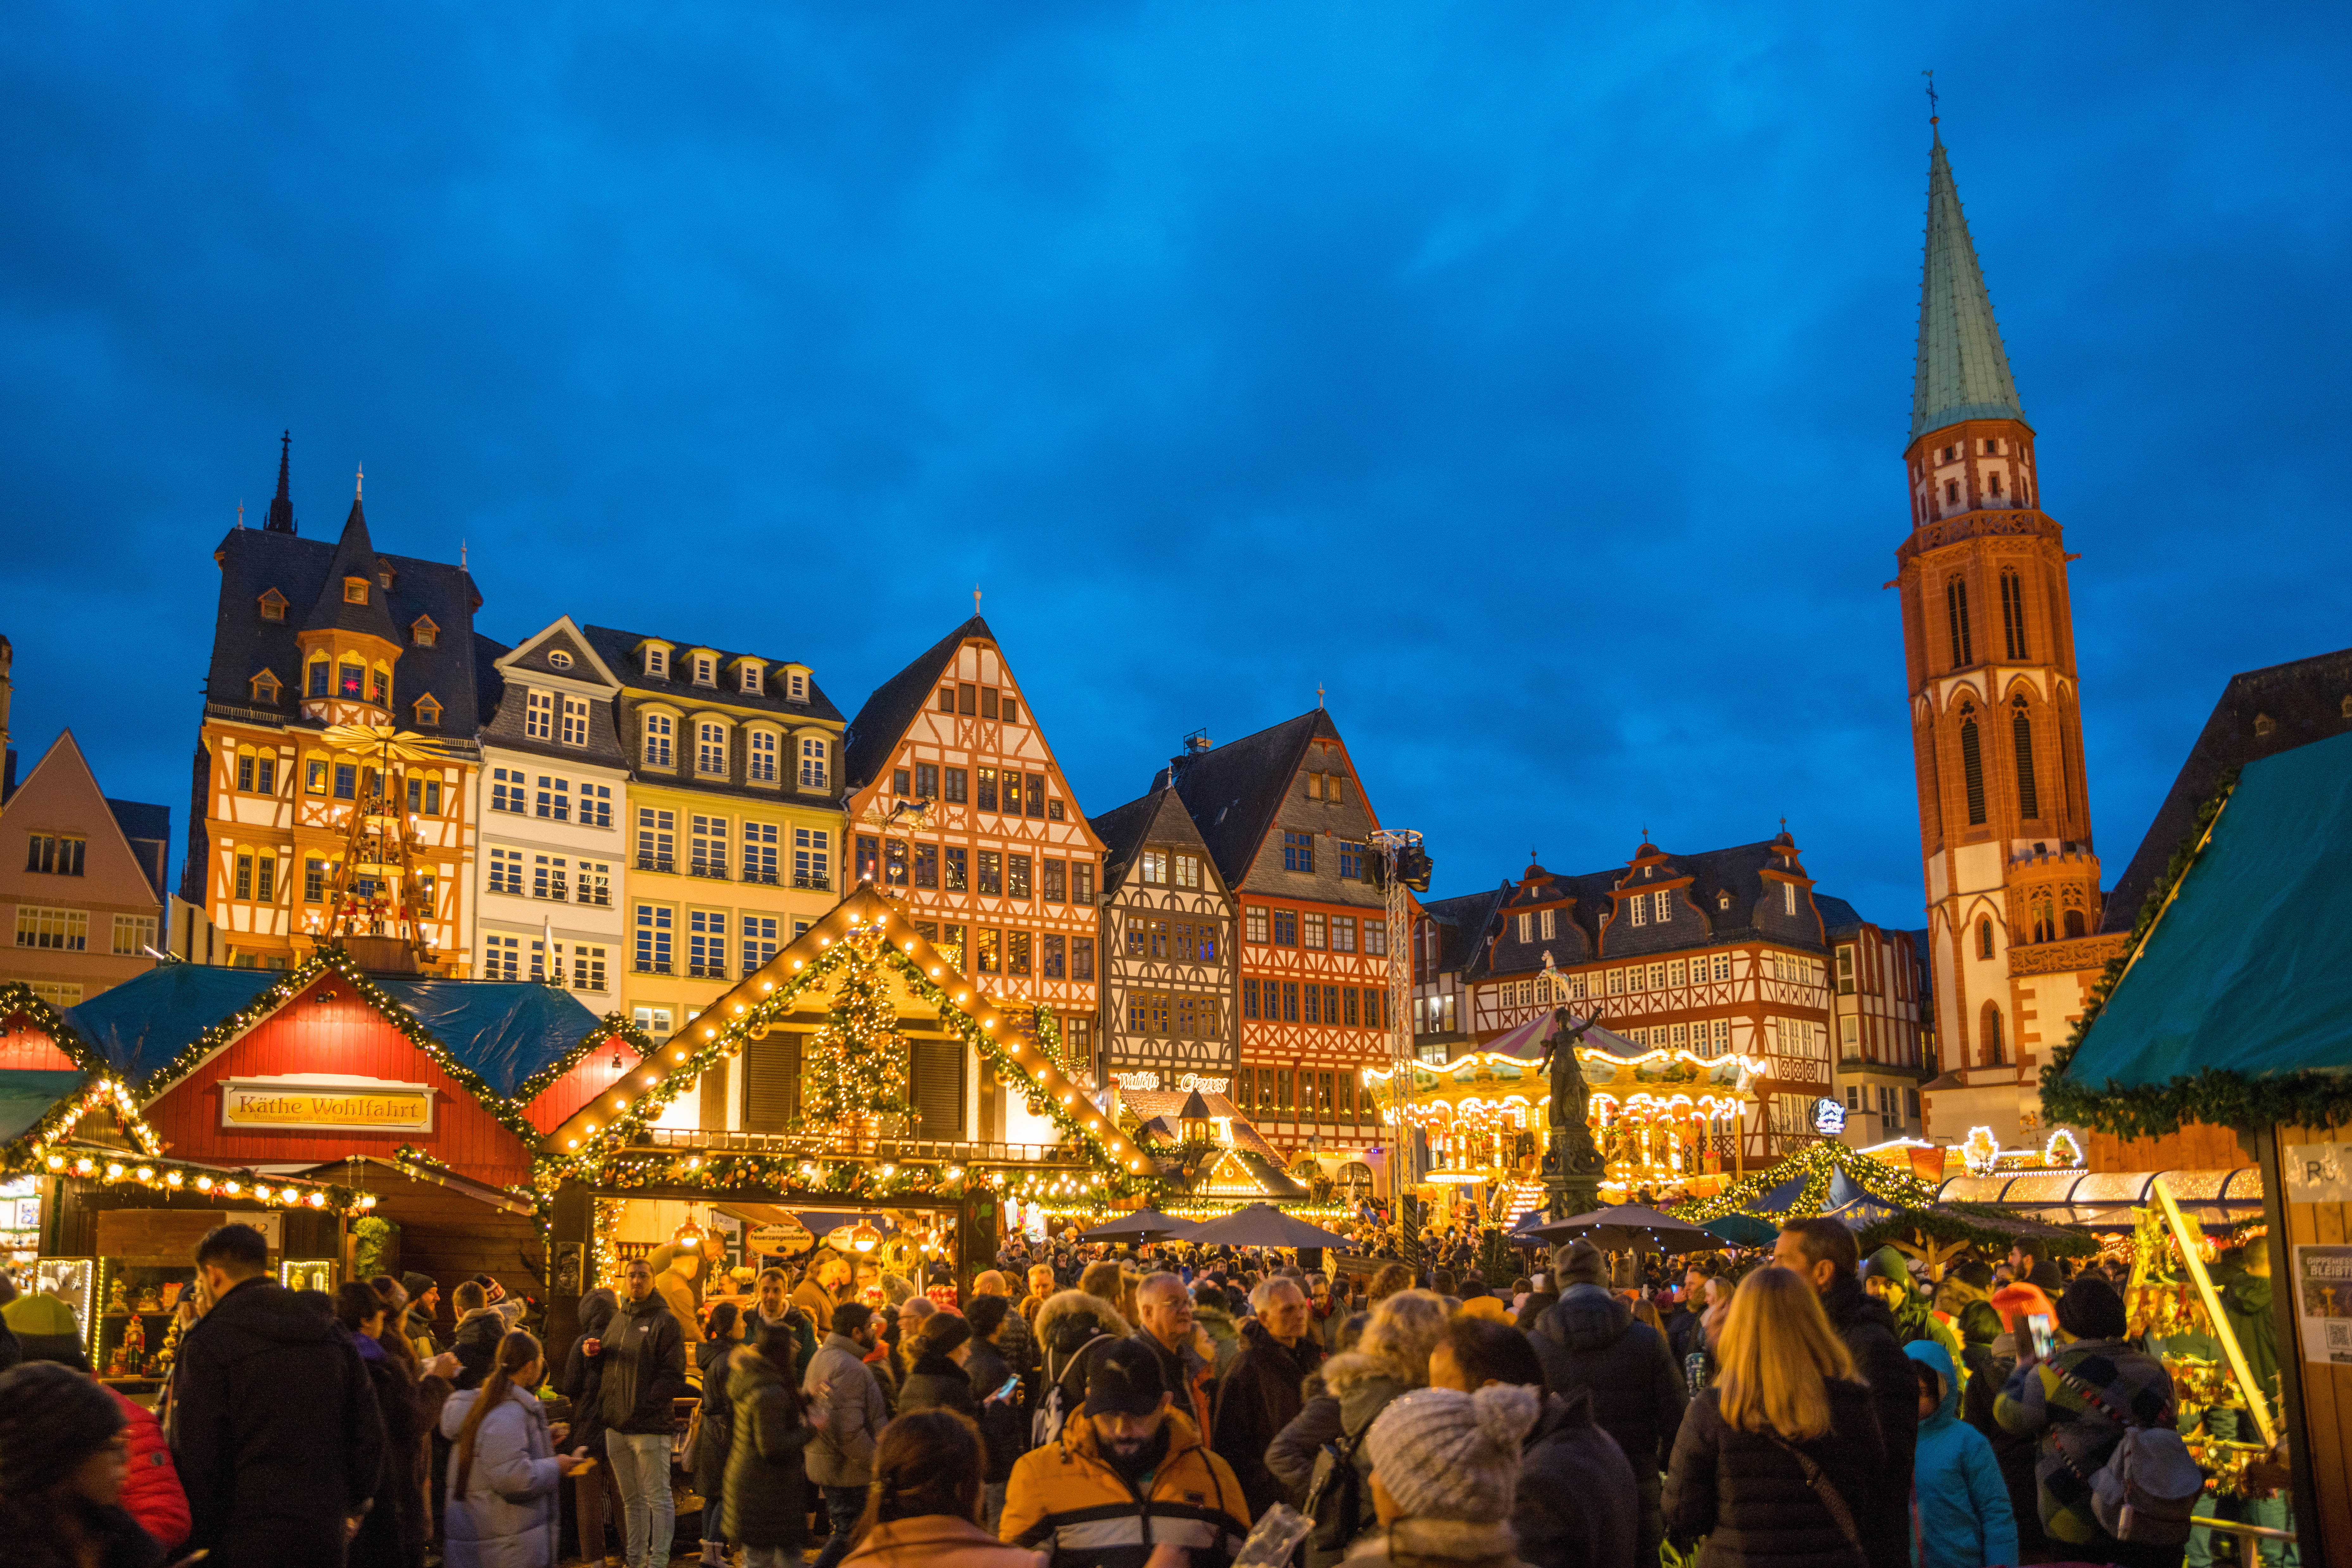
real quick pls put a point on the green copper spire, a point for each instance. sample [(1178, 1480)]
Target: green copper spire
[(1962, 374)]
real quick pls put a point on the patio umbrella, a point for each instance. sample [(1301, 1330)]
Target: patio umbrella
[(1263, 1225), (1743, 1229), (1629, 1227), (1143, 1225)]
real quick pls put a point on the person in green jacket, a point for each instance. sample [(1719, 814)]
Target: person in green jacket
[(1886, 1275)]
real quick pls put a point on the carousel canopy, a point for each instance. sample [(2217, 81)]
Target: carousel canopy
[(2244, 982)]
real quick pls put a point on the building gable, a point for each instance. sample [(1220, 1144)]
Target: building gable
[(62, 799)]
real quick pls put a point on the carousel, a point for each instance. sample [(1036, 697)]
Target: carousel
[(1665, 1122)]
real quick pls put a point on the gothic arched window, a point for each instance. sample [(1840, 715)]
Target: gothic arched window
[(2073, 923), (1972, 769), (1956, 610), (1989, 1035), (2012, 615), (2020, 737), (2043, 928), (1984, 938)]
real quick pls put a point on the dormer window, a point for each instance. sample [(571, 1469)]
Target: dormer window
[(423, 632), (754, 682), (273, 605), (429, 713), (657, 662), (557, 659), (706, 670), (265, 688), (383, 575), (355, 591), (798, 685)]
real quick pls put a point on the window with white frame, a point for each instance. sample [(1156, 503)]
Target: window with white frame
[(760, 847), (1723, 965), (1546, 923), (1376, 938), (133, 935), (706, 670), (59, 994), (1789, 897), (706, 944), (596, 883), (595, 805), (1675, 972), (502, 956), (760, 764), (657, 662), (550, 877), (654, 1022), (1638, 909), (659, 733), (538, 715), (815, 762), (588, 968), (554, 801), (506, 870), (1151, 868), (656, 923), (753, 682), (575, 721), (811, 849), (1526, 926), (799, 687), (510, 790), (1722, 1028), (710, 747), (758, 940), (1661, 906), (657, 839), (707, 842)]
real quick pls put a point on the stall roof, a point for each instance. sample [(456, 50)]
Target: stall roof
[(27, 1095), (2249, 970), (505, 1031)]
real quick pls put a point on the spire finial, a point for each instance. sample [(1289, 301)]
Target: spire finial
[(461, 554), (976, 601), (240, 511), (281, 509), (1932, 116), (359, 481), (1318, 695)]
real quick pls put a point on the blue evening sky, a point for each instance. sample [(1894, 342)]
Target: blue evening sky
[(1535, 378)]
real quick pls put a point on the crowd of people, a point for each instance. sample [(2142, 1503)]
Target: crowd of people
[(1096, 1408)]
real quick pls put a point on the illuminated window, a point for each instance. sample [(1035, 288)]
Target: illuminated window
[(575, 721)]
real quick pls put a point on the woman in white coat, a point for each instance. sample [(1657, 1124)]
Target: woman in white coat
[(504, 1471)]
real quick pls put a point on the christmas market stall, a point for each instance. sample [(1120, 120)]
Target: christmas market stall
[(858, 1075), (1665, 1122), (410, 1105), (2231, 1007)]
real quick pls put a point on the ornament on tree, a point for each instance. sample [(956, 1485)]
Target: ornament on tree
[(857, 1060)]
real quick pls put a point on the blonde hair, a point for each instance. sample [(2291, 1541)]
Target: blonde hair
[(1777, 1352), (1401, 1332)]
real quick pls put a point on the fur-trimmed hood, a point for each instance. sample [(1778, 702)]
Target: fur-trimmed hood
[(1343, 1373), (1066, 1312)]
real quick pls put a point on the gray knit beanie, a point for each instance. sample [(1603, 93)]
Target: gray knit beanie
[(1579, 1263), (1443, 1453)]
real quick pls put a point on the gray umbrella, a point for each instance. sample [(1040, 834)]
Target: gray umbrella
[(1143, 1225), (1261, 1225), (1629, 1227)]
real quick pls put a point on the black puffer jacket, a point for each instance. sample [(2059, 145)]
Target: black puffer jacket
[(1257, 1399), (583, 1375), (1747, 1494), (1867, 1326), (396, 1527), (1004, 1423), (643, 1369), (1590, 1341), (718, 1435), (278, 1437), (1576, 1506), (936, 1382)]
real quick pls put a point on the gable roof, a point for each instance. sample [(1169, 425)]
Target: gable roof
[(2304, 701), (1461, 922), (614, 648), (355, 556), (64, 768), (1125, 830), (873, 736), (142, 1024), (1233, 790)]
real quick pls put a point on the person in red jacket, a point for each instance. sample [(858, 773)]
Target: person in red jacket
[(151, 1492)]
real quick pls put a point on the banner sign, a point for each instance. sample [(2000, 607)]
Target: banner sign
[(335, 1103), (2323, 1291), (2317, 1172)]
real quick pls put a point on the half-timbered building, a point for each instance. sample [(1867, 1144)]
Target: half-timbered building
[(1168, 990), (1724, 951), (958, 811), (1286, 821), (310, 636)]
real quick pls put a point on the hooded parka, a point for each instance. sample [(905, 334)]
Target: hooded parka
[(506, 1517)]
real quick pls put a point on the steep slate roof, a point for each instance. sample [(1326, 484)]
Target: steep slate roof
[(354, 556), (1124, 829), (2305, 700), (1962, 371), (872, 739), (1839, 918), (1737, 871), (616, 647), (254, 561), (149, 830), (1233, 790), (1462, 921)]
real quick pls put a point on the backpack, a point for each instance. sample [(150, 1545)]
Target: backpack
[(1335, 1495), (1053, 1411), (2149, 1486)]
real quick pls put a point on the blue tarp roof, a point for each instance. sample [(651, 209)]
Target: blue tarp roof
[(2250, 968), (142, 1023), (27, 1095), (504, 1030)]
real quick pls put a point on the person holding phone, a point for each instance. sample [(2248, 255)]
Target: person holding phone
[(505, 1473), (936, 1377), (1003, 1421)]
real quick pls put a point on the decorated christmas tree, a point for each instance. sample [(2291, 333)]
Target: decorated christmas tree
[(855, 1064)]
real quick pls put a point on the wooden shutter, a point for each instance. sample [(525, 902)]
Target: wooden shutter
[(935, 1084), (771, 1082)]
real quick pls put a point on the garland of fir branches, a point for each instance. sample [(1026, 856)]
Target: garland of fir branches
[(2214, 1095)]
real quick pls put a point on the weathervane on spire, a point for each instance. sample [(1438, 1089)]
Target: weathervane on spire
[(1318, 695), (975, 600), (1932, 116), (359, 481)]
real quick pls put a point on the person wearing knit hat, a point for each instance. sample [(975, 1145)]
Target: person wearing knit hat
[(1580, 1262), (45, 1330), (1446, 1469), (62, 1465), (416, 1327)]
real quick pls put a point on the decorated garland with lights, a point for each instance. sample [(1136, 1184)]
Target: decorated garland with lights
[(17, 998), (611, 1029), (1820, 1161)]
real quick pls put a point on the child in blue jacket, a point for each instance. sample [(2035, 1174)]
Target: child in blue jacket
[(1960, 1516)]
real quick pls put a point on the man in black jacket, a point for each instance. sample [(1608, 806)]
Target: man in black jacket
[(1260, 1395), (1589, 1341), (276, 1435), (642, 1368), (1004, 1428), (1823, 1252)]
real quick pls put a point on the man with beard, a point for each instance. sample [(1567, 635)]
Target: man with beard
[(1261, 1395), (1127, 1475)]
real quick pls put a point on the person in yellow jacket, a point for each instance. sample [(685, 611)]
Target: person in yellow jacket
[(1128, 1474)]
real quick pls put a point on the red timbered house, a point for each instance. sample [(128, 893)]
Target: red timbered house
[(1286, 821), (958, 809)]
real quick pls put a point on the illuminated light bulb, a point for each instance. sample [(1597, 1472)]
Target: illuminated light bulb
[(678, 1056), (646, 1077), (145, 1173), (935, 971), (570, 1142), (367, 1200), (771, 985), (317, 1200), (113, 1171), (590, 1127), (230, 1187), (56, 1162), (173, 1178), (709, 1033)]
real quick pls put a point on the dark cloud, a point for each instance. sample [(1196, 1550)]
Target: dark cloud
[(1534, 379)]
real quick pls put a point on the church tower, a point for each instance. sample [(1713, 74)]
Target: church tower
[(2012, 881)]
